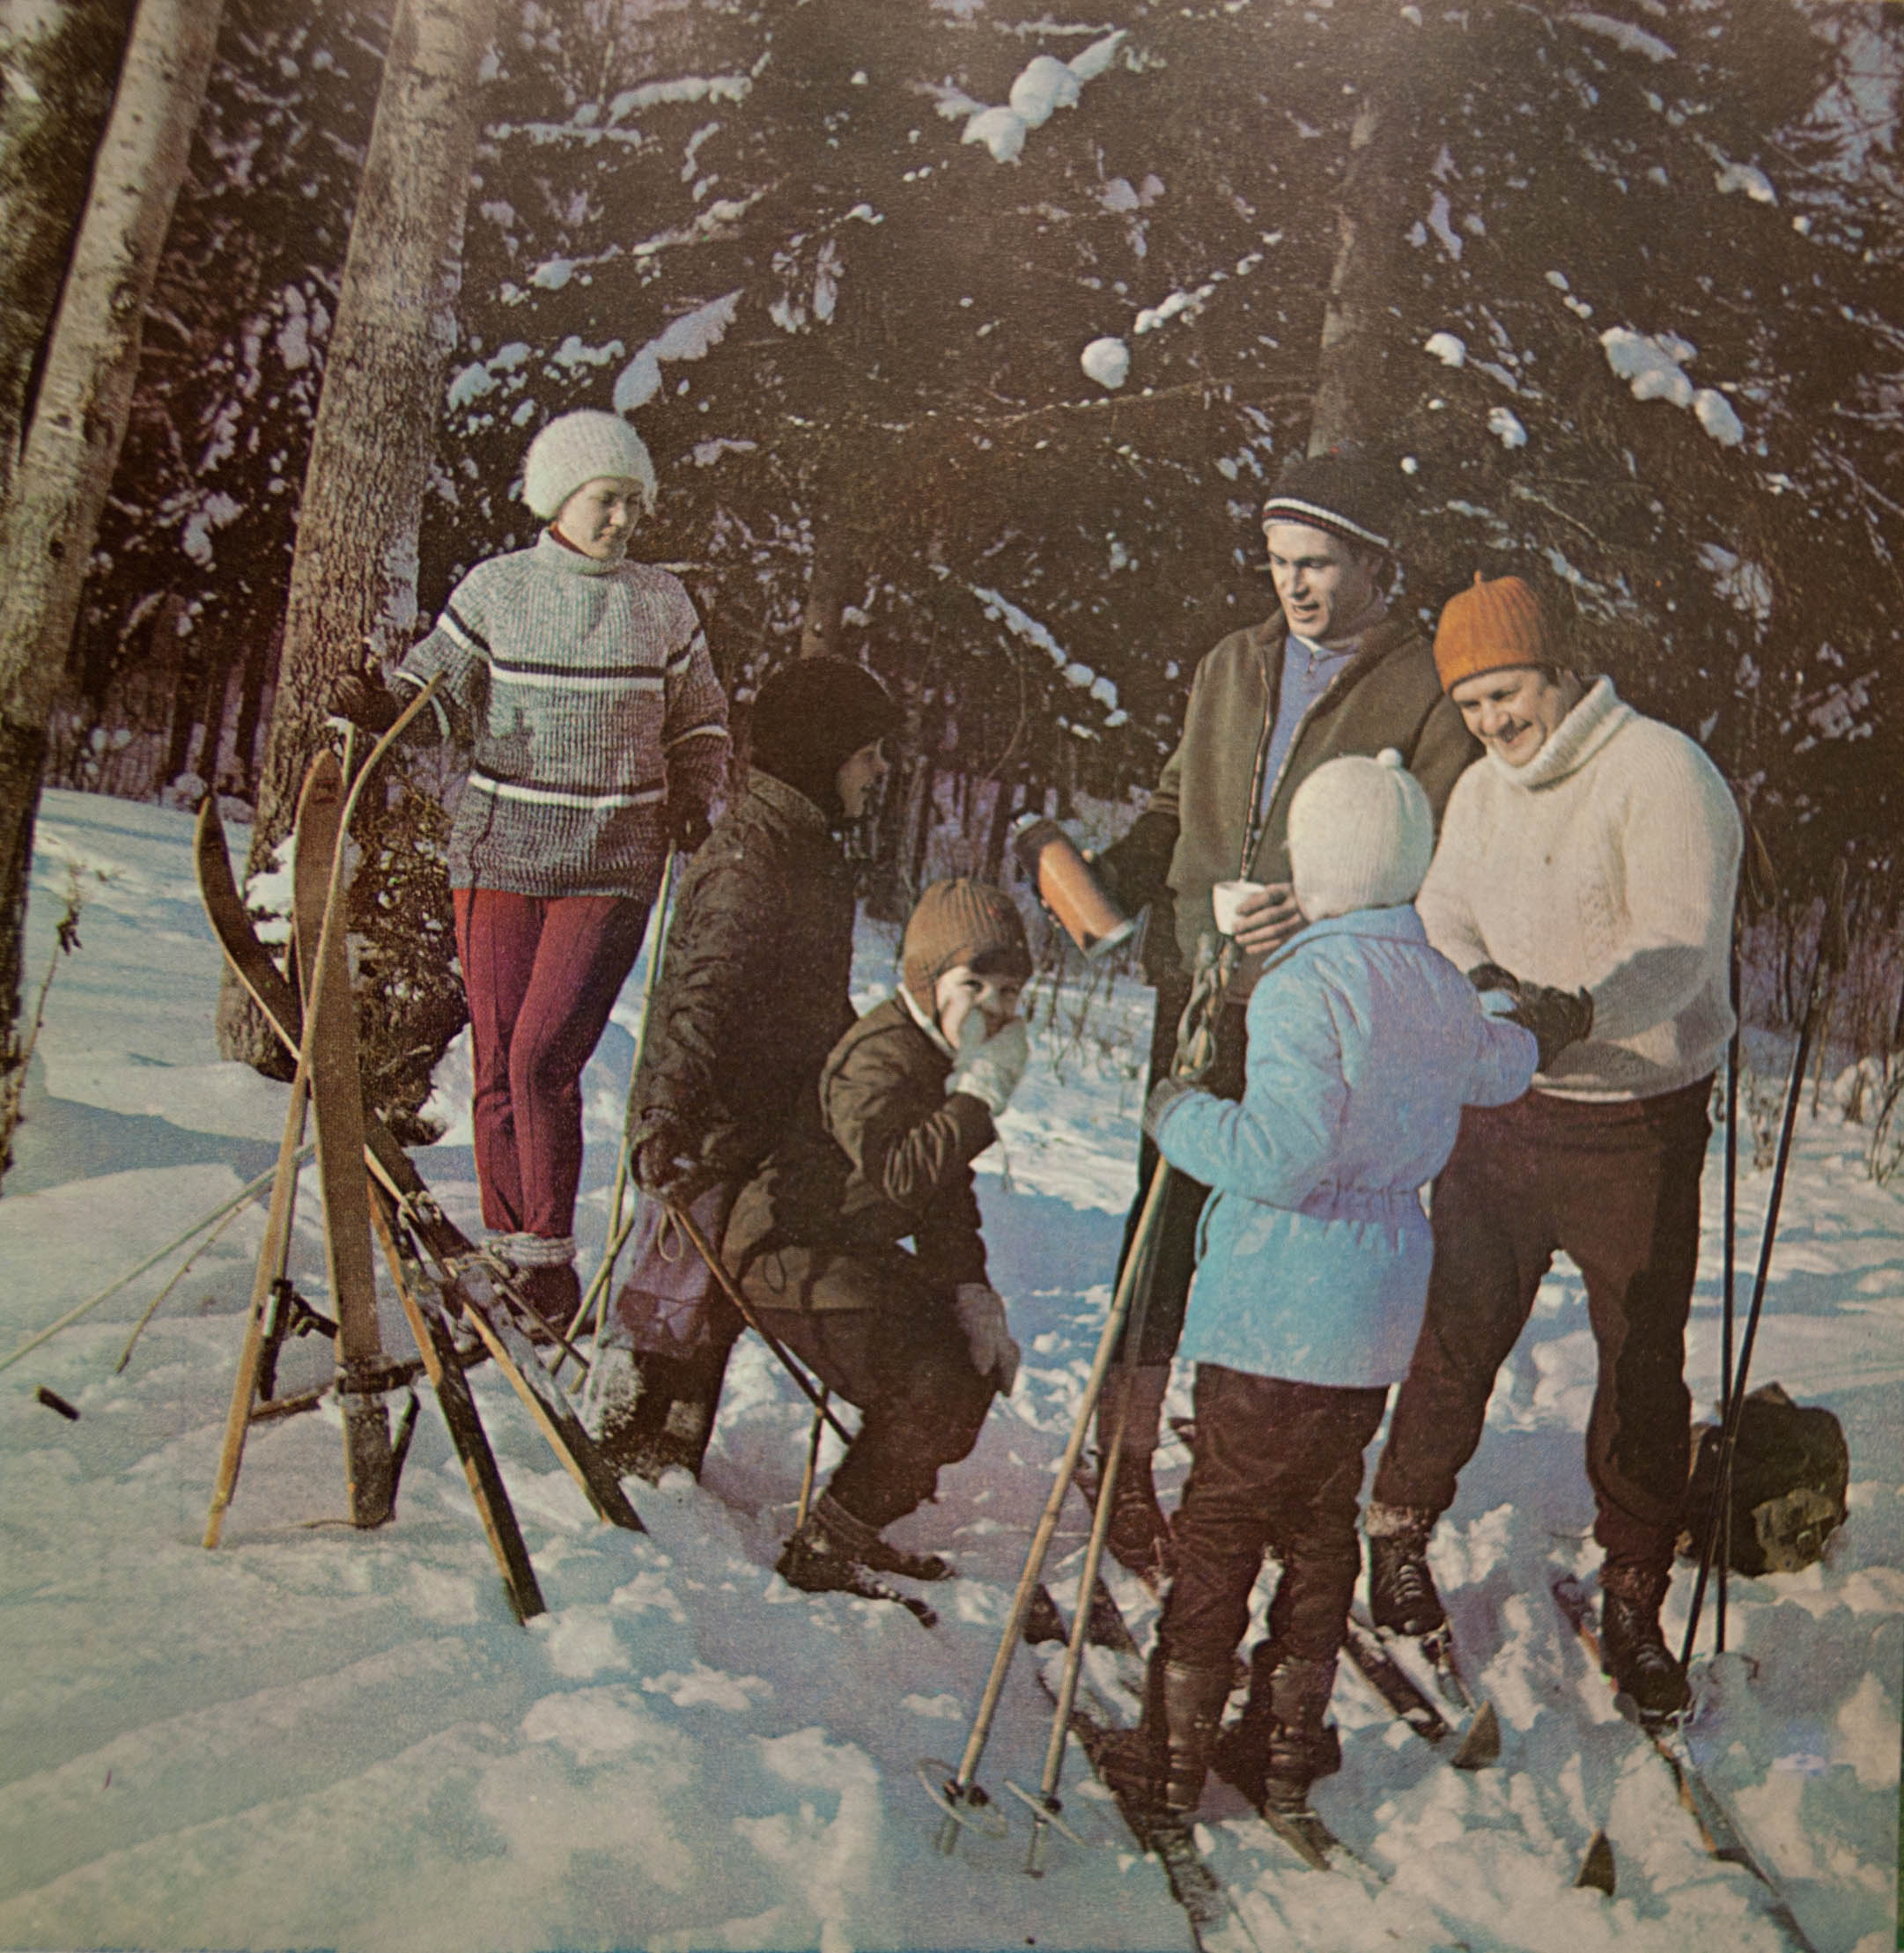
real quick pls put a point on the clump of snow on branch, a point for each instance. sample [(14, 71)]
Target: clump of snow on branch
[(1107, 361), (1743, 176), (1446, 346), (1506, 427), (1042, 86), (1001, 610), (1654, 367), (1633, 40), (691, 336), (690, 88)]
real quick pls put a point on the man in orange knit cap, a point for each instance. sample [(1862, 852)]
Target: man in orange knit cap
[(1586, 870)]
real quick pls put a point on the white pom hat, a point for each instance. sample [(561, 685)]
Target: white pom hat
[(575, 449), (1361, 835)]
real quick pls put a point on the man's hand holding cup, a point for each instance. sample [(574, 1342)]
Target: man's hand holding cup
[(1259, 916)]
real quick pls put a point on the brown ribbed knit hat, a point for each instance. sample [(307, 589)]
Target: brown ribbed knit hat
[(1492, 626), (961, 922)]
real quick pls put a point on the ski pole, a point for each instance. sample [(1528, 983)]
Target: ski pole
[(595, 1296), (813, 1459), (959, 1789), (729, 1287), (153, 1260), (1729, 1434), (1728, 1260)]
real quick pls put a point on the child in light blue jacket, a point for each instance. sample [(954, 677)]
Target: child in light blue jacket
[(1364, 1044)]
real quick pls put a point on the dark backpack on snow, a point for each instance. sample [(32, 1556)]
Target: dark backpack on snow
[(1789, 1470)]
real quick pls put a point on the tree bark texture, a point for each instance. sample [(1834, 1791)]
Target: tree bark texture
[(52, 511), (59, 60), (1353, 369), (352, 600)]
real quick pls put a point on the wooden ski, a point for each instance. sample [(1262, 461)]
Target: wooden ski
[(453, 1252), (445, 1369), (337, 1103)]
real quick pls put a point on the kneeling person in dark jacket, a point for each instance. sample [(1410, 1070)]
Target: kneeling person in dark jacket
[(917, 1339)]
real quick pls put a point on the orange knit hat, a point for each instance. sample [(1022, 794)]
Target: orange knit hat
[(1492, 626)]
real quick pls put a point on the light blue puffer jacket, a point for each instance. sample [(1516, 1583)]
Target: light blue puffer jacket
[(1364, 1045)]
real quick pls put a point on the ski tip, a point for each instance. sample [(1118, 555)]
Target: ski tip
[(1480, 1742), (1596, 1869)]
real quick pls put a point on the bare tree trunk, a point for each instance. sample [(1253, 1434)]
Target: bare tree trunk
[(1355, 372), (352, 598), (52, 509), (834, 570), (59, 60)]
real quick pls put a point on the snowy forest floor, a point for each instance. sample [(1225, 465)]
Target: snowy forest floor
[(318, 1737)]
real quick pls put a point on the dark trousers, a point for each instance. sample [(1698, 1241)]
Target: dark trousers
[(1616, 1186), (542, 975), (1173, 1252), (909, 1370), (1277, 1466)]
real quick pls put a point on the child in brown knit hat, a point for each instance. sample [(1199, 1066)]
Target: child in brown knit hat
[(917, 1338)]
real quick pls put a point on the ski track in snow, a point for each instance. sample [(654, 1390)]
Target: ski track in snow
[(316, 1736)]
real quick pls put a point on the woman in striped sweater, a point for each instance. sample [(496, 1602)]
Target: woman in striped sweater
[(579, 685)]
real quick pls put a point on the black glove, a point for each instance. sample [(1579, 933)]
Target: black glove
[(365, 704), (1492, 976), (1557, 1017), (1163, 1094), (689, 824)]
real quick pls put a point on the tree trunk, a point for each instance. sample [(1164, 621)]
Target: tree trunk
[(59, 59), (352, 598), (52, 509), (1354, 371), (834, 570)]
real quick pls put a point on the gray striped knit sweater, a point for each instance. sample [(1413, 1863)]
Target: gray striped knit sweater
[(585, 696)]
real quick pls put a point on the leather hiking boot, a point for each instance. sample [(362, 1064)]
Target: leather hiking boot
[(816, 1561), (1161, 1765), (1633, 1650), (1302, 1746), (851, 1536), (1241, 1757), (653, 1414), (1401, 1589)]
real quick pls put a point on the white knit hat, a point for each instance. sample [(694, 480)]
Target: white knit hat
[(575, 449), (1361, 835)]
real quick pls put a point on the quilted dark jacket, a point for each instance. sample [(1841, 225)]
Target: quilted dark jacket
[(880, 1154), (754, 986)]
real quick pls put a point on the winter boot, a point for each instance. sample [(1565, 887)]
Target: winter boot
[(833, 1533), (1159, 1765), (1302, 1747), (1401, 1589), (542, 1279), (656, 1413), (1633, 1650), (1242, 1750), (1139, 1537)]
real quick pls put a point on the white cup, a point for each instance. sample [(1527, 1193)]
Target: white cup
[(1227, 897)]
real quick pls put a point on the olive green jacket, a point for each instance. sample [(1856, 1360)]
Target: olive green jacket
[(1209, 790)]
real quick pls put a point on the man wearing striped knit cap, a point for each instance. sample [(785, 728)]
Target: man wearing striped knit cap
[(1586, 873), (580, 687)]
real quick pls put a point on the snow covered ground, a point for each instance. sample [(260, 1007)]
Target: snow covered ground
[(318, 1737)]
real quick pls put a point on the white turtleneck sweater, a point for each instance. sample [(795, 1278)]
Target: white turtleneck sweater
[(1608, 862)]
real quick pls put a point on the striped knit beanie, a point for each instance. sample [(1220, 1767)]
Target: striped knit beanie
[(1491, 627), (1361, 835), (1339, 493), (961, 922), (576, 449)]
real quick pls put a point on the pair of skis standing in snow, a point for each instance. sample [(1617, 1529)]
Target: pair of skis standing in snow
[(1316, 1257)]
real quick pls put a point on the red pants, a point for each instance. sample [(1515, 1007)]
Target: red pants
[(542, 973)]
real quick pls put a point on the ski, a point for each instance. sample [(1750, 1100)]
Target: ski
[(453, 1252), (1372, 1650), (338, 1106), (444, 1367), (1206, 1900), (1106, 1627), (1718, 1829)]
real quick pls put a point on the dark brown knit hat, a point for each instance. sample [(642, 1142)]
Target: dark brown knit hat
[(961, 922)]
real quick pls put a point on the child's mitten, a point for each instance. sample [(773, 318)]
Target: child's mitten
[(990, 1067)]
